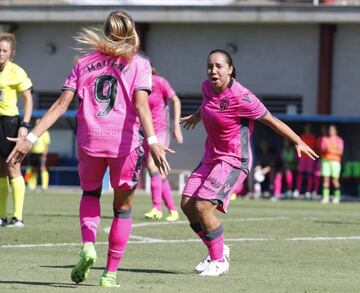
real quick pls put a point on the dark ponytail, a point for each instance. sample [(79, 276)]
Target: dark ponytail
[(228, 59)]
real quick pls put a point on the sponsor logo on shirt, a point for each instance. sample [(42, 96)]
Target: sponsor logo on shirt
[(246, 98), (224, 104)]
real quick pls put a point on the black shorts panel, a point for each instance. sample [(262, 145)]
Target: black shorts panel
[(9, 126)]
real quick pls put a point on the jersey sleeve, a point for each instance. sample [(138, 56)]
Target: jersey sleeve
[(168, 91), (251, 107), (143, 80), (24, 81), (72, 80)]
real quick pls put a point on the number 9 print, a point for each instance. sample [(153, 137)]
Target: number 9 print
[(105, 92)]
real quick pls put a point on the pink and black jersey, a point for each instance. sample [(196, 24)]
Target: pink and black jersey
[(161, 93), (107, 122), (229, 119)]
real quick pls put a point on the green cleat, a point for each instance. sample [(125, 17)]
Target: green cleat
[(173, 216), (87, 258), (154, 214), (108, 280)]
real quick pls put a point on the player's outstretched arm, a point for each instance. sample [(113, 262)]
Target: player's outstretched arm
[(157, 151), (191, 121), (285, 131), (177, 113), (23, 145)]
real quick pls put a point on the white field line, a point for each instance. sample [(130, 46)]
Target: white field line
[(146, 240)]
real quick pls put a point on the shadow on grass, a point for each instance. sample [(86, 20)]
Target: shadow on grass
[(49, 284), (336, 223), (146, 271)]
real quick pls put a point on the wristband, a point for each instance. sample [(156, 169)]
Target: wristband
[(152, 139), (25, 125), (32, 137)]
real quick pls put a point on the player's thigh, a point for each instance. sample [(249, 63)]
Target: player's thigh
[(91, 170), (335, 169), (125, 171)]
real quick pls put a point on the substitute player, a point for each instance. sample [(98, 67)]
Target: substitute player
[(159, 99), (228, 111), (37, 161), (13, 81), (112, 83), (332, 148)]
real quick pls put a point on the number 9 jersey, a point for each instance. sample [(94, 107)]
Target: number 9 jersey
[(107, 121)]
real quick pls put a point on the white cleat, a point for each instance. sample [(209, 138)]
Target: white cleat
[(336, 200), (216, 268), (206, 261), (325, 200)]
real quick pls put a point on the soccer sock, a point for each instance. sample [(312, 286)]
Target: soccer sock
[(198, 230), (44, 179), (310, 180), (299, 179), (326, 192), (277, 185), (317, 184), (215, 242), (167, 195), (18, 192), (289, 179), (156, 185), (32, 182), (337, 193), (90, 215), (118, 238), (4, 191)]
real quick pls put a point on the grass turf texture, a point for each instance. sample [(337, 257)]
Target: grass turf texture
[(265, 255)]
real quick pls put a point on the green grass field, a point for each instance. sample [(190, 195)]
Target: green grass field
[(288, 246)]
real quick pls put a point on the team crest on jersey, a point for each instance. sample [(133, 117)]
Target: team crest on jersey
[(246, 98), (224, 104)]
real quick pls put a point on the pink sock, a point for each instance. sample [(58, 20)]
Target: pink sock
[(118, 238), (167, 195), (89, 217), (156, 186), (299, 179), (317, 184), (289, 179), (215, 243), (277, 185), (309, 183)]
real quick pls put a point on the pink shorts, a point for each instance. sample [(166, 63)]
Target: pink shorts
[(215, 182), (305, 164), (124, 171), (164, 140)]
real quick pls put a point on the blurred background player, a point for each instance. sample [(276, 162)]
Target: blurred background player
[(159, 99), (332, 148), (306, 165), (112, 107), (228, 111), (287, 169), (13, 81), (37, 162)]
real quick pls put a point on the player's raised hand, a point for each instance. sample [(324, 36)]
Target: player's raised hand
[(302, 147), (22, 147), (158, 153), (190, 121)]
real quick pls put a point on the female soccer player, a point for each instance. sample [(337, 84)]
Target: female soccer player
[(332, 149), (161, 93), (228, 112), (13, 81), (112, 82)]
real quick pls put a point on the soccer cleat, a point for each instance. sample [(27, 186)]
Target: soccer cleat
[(325, 200), (15, 222), (336, 200), (216, 268), (108, 280), (233, 196), (3, 222), (154, 214), (206, 261), (296, 193), (87, 258), (173, 216)]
